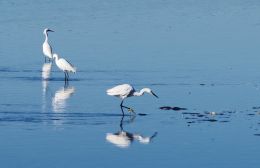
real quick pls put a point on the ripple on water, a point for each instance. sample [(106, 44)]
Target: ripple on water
[(64, 118)]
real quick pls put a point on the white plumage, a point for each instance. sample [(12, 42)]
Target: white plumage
[(64, 65), (123, 91), (126, 90), (46, 48)]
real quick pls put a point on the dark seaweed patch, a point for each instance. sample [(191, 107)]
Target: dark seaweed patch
[(224, 121), (210, 120), (172, 108), (142, 114)]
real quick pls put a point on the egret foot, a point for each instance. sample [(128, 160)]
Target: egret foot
[(130, 110)]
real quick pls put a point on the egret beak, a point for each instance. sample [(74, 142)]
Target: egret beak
[(50, 30), (154, 94)]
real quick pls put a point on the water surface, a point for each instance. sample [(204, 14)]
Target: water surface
[(202, 56)]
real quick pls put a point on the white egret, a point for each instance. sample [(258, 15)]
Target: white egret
[(126, 90), (64, 65), (46, 48)]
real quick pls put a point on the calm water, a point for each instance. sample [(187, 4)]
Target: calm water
[(199, 55)]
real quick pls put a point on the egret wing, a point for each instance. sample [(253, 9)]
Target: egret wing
[(47, 50), (120, 90), (66, 66)]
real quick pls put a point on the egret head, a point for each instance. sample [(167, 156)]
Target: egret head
[(148, 90), (47, 30), (55, 56)]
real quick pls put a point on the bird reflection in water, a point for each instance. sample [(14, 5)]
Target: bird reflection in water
[(123, 139), (59, 103), (46, 71), (46, 74)]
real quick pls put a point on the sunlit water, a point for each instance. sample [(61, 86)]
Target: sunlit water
[(200, 57)]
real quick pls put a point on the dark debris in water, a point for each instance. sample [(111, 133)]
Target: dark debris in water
[(210, 120), (172, 108), (224, 121), (190, 118), (142, 114), (257, 134), (191, 113), (199, 117)]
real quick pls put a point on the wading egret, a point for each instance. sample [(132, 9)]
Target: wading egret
[(64, 65), (46, 48), (126, 90)]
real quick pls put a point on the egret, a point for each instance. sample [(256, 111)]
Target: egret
[(126, 90), (46, 48), (64, 65)]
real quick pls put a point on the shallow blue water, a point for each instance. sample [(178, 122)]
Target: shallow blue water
[(198, 55)]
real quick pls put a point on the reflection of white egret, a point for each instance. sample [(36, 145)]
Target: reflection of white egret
[(46, 48), (46, 71), (60, 97), (123, 139), (120, 139), (125, 90)]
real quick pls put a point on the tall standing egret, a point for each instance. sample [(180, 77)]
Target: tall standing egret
[(46, 48), (64, 65), (126, 90)]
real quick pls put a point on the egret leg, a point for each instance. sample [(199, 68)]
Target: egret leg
[(128, 108), (45, 59), (67, 75), (123, 114), (66, 84), (65, 79), (121, 105)]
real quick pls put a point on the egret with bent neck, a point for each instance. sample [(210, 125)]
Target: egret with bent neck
[(126, 90)]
